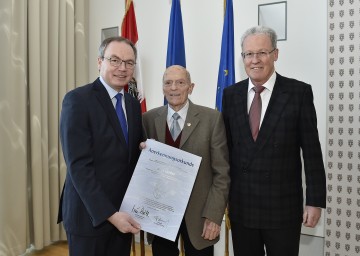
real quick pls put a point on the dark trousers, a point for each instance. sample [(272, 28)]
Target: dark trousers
[(254, 242), (164, 247), (110, 244)]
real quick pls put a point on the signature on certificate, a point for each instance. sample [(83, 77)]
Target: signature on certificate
[(160, 221), (140, 210)]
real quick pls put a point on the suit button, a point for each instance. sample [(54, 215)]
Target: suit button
[(244, 171)]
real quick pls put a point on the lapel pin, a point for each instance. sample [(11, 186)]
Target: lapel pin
[(188, 124)]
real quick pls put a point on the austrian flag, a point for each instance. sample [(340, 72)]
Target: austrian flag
[(129, 31)]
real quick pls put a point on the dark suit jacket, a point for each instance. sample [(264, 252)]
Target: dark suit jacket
[(99, 162), (266, 175), (203, 135)]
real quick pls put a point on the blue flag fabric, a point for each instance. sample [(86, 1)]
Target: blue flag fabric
[(176, 45), (226, 74)]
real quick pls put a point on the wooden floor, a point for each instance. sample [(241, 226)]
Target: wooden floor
[(61, 249)]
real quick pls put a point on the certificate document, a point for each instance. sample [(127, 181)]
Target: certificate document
[(160, 188)]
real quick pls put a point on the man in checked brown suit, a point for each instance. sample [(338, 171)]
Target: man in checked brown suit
[(266, 207)]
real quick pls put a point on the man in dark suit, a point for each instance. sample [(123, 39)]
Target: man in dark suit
[(201, 132), (100, 155), (266, 197)]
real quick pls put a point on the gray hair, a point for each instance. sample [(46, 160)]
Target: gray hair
[(188, 77), (107, 41), (260, 30)]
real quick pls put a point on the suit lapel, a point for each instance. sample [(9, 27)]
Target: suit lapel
[(190, 123), (160, 124), (241, 113), (278, 101), (130, 119)]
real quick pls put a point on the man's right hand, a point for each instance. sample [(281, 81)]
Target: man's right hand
[(142, 145), (124, 223)]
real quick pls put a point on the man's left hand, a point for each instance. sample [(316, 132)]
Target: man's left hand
[(211, 230), (311, 216)]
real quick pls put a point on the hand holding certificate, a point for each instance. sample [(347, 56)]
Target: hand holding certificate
[(160, 188)]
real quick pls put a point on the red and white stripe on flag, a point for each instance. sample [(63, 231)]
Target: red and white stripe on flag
[(129, 31)]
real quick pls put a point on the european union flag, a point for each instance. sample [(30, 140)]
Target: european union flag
[(226, 74), (176, 45)]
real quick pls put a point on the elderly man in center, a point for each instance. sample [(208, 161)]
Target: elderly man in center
[(198, 130)]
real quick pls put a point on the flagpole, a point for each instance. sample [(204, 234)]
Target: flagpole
[(226, 64), (224, 7)]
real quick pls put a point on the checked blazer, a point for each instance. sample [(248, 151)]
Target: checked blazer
[(266, 176)]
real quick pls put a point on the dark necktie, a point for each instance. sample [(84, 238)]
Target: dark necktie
[(255, 111), (121, 115), (175, 127)]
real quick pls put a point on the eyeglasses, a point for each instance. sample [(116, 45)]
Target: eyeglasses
[(178, 83), (116, 62), (261, 55)]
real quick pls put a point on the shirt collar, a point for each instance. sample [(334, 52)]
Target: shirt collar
[(182, 112), (112, 93), (269, 84)]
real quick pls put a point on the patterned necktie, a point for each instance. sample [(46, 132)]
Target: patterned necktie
[(175, 127), (255, 112), (121, 115)]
